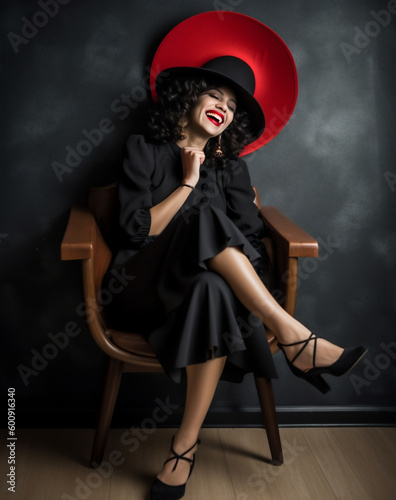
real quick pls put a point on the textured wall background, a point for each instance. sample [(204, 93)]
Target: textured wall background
[(84, 66)]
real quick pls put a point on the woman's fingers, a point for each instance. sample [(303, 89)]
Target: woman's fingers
[(193, 153), (192, 159)]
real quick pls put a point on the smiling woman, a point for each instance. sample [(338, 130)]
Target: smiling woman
[(216, 107), (190, 234), (204, 107)]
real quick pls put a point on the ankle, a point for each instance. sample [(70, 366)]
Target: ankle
[(184, 440), (291, 332)]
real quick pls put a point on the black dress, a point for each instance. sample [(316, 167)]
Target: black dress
[(184, 309)]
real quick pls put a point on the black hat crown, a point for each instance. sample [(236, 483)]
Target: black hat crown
[(235, 69)]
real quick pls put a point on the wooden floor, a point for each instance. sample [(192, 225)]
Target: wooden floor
[(320, 464)]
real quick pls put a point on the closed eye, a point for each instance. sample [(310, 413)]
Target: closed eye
[(215, 96)]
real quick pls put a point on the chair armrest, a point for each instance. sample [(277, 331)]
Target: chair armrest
[(78, 240), (286, 243), (287, 235)]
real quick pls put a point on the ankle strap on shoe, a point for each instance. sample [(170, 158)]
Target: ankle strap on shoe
[(305, 342), (178, 457)]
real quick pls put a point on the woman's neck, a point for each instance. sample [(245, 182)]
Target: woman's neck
[(183, 143), (192, 140)]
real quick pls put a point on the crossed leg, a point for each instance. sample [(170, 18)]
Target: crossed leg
[(233, 265), (202, 379)]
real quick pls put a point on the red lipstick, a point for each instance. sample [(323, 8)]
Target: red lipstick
[(215, 117)]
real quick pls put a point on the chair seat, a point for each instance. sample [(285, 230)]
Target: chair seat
[(132, 342), (135, 343)]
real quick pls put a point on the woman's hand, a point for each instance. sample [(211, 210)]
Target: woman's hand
[(162, 214), (192, 159)]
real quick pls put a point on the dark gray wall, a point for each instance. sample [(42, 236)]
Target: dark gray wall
[(331, 170)]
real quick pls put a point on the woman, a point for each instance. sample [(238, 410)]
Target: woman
[(191, 237)]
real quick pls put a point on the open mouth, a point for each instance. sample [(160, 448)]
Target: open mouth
[(215, 117)]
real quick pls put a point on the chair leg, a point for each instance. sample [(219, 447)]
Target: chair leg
[(109, 397), (267, 403)]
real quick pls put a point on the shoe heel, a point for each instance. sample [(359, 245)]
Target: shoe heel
[(318, 382)]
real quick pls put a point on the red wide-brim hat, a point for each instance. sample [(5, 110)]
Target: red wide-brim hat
[(206, 37)]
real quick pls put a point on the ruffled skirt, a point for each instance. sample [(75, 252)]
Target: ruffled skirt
[(187, 312)]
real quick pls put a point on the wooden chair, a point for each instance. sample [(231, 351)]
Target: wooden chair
[(85, 240)]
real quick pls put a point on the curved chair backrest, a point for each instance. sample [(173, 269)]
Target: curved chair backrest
[(103, 203)]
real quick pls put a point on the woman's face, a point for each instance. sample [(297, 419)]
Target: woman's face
[(213, 112)]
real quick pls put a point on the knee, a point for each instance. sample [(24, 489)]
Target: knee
[(211, 281)]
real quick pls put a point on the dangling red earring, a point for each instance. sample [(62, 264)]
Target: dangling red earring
[(219, 151)]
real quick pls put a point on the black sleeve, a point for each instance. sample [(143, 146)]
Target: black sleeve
[(242, 210), (135, 198)]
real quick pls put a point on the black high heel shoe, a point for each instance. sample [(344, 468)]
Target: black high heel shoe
[(162, 491), (348, 359)]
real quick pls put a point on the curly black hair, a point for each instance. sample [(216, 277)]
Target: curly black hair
[(176, 98)]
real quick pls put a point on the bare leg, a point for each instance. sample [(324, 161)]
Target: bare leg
[(237, 270), (202, 380)]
